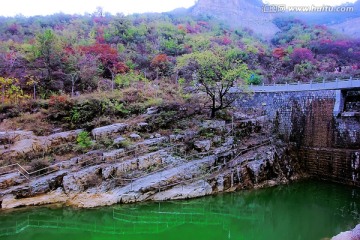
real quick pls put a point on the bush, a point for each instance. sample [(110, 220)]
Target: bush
[(38, 164), (83, 140)]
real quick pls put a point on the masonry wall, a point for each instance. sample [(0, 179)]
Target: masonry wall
[(328, 145)]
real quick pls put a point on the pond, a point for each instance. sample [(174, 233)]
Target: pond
[(305, 210)]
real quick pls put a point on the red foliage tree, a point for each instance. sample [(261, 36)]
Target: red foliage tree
[(161, 63), (279, 53), (301, 54)]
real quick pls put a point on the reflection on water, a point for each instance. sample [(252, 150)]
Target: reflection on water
[(307, 210)]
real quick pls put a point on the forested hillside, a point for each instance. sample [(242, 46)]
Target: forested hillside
[(43, 56)]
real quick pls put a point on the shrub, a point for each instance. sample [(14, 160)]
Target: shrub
[(83, 140), (38, 164)]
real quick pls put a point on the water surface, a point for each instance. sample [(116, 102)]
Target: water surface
[(300, 211)]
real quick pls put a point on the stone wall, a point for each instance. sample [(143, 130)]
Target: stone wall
[(327, 141)]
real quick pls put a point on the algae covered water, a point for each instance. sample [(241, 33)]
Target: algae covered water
[(305, 210)]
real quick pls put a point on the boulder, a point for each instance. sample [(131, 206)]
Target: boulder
[(62, 137), (349, 235), (197, 189), (214, 124), (229, 141), (176, 137), (202, 146), (82, 180), (11, 179), (112, 155), (24, 147), (14, 136), (119, 140), (47, 183), (135, 136), (108, 130), (151, 142), (152, 110)]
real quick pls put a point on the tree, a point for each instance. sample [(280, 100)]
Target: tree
[(161, 63), (49, 52), (108, 57), (215, 72), (300, 55), (10, 91)]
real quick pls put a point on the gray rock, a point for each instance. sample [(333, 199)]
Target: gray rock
[(202, 146), (157, 135), (213, 124), (47, 183), (119, 140), (108, 130), (112, 155), (217, 139), (61, 138), (82, 180), (11, 179), (349, 235), (135, 136), (176, 137), (152, 110), (14, 136), (151, 142), (192, 190), (229, 141)]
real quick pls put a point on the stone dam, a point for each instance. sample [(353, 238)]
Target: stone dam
[(321, 127)]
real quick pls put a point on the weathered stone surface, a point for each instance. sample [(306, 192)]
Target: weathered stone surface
[(112, 155), (57, 196), (229, 141), (108, 130), (24, 146), (152, 110), (61, 138), (47, 183), (213, 124), (176, 137), (151, 142), (80, 181), (119, 140), (11, 179), (143, 188), (14, 136), (202, 146), (192, 190), (135, 136), (349, 235)]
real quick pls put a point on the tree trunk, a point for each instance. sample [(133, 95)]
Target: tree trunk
[(213, 108), (34, 91)]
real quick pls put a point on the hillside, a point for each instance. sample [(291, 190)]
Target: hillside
[(239, 13)]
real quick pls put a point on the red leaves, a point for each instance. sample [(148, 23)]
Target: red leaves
[(301, 54), (279, 53), (120, 67), (226, 40), (159, 60), (105, 52)]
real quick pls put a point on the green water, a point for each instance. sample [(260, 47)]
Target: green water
[(306, 210)]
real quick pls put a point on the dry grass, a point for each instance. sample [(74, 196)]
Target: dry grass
[(36, 122)]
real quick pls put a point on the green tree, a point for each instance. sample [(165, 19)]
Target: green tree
[(215, 73)]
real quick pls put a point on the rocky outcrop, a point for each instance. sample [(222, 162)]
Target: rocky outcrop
[(23, 143), (109, 130), (169, 178), (349, 235), (202, 146)]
